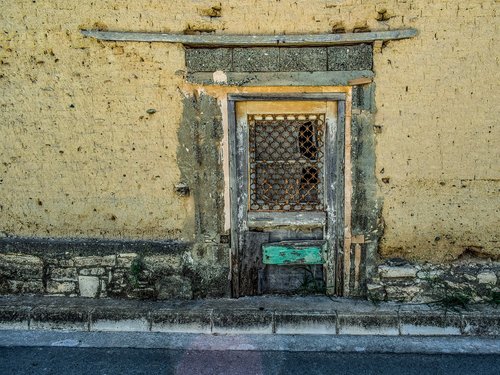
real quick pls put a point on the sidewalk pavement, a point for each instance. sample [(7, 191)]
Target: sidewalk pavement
[(263, 315)]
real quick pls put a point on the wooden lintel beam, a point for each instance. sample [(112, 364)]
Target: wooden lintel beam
[(215, 40), (286, 219), (360, 81)]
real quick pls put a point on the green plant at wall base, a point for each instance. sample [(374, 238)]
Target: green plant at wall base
[(455, 300), (136, 269), (494, 298), (310, 284), (448, 297), (375, 298)]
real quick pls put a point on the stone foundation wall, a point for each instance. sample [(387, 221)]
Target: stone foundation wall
[(153, 270), (457, 283), (166, 270)]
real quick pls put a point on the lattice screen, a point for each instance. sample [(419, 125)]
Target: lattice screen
[(286, 162)]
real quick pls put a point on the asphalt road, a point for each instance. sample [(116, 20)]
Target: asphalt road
[(109, 361)]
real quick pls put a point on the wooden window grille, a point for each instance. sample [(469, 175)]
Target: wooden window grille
[(286, 155)]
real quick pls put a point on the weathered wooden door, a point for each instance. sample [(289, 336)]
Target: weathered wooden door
[(286, 183)]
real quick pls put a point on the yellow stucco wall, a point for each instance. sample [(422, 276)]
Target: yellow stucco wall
[(82, 158)]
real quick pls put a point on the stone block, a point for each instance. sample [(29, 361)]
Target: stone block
[(63, 262), (308, 59), (208, 59), (356, 57), (21, 287), (125, 260), (162, 263), (88, 286), (403, 293), (395, 272), (174, 287), (95, 261), (305, 323), (61, 287), (381, 323), (258, 59), (249, 321), (375, 292), (430, 323), (20, 267), (430, 273), (468, 277), (96, 271), (59, 318), (186, 321), (487, 278), (64, 274)]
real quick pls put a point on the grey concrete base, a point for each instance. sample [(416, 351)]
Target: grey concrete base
[(270, 315)]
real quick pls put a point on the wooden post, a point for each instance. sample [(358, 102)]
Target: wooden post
[(357, 240), (347, 197)]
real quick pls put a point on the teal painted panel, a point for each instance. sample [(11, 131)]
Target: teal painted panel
[(291, 255)]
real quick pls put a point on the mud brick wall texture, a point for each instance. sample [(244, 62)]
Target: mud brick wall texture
[(91, 131)]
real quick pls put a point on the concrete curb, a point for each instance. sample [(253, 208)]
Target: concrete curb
[(245, 342), (255, 315)]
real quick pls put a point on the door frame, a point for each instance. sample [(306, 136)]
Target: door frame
[(334, 183)]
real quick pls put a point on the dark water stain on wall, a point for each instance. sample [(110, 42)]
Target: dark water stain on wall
[(199, 159), (366, 206)]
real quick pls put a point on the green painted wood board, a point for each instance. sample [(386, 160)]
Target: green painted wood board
[(281, 254)]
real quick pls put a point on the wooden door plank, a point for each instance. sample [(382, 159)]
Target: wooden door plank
[(251, 262)]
